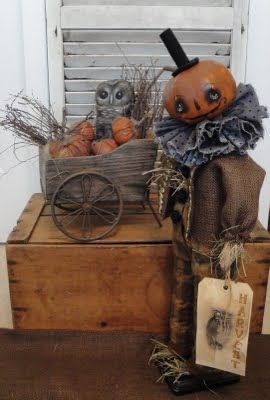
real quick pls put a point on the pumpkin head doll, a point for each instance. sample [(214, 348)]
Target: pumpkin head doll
[(213, 193)]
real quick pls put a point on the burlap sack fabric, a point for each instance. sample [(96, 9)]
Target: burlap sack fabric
[(223, 195)]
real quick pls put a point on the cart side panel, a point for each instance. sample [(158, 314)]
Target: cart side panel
[(124, 166)]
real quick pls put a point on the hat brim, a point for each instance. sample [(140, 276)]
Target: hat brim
[(190, 64)]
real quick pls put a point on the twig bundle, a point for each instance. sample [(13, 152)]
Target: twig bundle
[(147, 107), (30, 121)]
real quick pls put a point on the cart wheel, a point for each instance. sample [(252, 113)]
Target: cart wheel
[(91, 206)]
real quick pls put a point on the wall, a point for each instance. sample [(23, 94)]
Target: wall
[(23, 66), (257, 73)]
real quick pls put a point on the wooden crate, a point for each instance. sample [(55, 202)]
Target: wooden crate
[(122, 282)]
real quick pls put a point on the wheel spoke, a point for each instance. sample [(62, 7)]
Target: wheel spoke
[(86, 188), (64, 200), (83, 197), (101, 211), (68, 197), (73, 214), (105, 196), (86, 225)]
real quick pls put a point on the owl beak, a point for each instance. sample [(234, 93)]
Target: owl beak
[(111, 98)]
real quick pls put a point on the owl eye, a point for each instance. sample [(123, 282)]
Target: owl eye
[(103, 94), (212, 95), (119, 95), (180, 106)]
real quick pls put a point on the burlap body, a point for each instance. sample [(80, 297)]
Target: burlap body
[(225, 196)]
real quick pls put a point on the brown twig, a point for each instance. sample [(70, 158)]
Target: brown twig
[(147, 107)]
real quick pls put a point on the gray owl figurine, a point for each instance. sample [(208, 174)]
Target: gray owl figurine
[(113, 99)]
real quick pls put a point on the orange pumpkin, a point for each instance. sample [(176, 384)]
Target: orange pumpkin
[(123, 130), (76, 145), (201, 92), (103, 146), (85, 129), (70, 146)]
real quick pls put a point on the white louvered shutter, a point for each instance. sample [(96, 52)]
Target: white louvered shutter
[(89, 43)]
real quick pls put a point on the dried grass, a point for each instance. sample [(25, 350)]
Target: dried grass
[(171, 364)]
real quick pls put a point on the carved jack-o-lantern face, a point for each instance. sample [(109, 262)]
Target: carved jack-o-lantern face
[(200, 92)]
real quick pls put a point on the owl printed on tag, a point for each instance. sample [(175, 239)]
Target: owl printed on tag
[(219, 329)]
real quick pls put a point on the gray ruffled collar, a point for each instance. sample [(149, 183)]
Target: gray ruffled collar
[(236, 131)]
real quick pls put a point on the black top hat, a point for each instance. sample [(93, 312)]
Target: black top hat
[(176, 51)]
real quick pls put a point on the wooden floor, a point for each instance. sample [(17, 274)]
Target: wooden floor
[(108, 366)]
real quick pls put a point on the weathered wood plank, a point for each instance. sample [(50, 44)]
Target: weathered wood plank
[(124, 166), (101, 73), (152, 17), (144, 36), (213, 3), (85, 85), (149, 49), (51, 291), (129, 230), (257, 270), (107, 288), (28, 219), (82, 61), (80, 98)]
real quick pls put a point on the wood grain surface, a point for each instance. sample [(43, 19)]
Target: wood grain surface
[(124, 166), (120, 282), (28, 219), (90, 287)]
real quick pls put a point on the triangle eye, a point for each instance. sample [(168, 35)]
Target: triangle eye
[(212, 95), (180, 106)]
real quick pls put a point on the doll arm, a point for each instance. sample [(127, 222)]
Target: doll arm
[(241, 179)]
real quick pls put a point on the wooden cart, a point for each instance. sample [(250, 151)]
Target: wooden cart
[(90, 191)]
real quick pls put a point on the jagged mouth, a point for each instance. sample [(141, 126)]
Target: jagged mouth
[(204, 115)]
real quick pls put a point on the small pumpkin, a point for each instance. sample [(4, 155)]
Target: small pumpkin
[(123, 130), (85, 129), (103, 146), (76, 145), (201, 92)]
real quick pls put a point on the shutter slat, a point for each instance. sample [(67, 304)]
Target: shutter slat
[(154, 49), (80, 97), (152, 17), (85, 85), (145, 36), (212, 3), (118, 61), (101, 73)]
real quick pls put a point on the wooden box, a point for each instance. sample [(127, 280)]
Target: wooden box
[(122, 282)]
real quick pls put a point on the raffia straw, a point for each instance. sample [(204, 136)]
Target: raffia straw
[(172, 364), (225, 253), (174, 178)]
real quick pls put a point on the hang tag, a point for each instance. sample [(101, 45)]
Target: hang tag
[(223, 320)]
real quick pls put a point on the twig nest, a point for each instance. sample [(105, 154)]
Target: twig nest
[(103, 146), (123, 130)]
